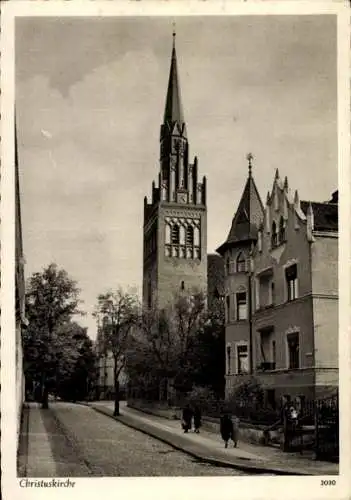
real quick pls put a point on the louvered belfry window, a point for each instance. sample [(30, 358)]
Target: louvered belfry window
[(175, 234), (190, 236), (182, 238)]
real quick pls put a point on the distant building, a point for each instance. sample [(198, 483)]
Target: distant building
[(175, 222), (21, 321), (293, 278), (105, 370)]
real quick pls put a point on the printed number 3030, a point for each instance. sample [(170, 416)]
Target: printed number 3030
[(328, 482)]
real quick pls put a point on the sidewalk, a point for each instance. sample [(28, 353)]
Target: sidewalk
[(34, 453), (44, 449), (208, 446)]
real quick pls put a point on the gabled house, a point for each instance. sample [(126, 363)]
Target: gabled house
[(290, 332)]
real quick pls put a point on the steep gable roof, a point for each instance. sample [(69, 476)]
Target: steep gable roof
[(247, 218)]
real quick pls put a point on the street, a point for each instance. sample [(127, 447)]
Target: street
[(85, 443)]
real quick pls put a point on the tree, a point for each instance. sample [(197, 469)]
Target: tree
[(74, 362), (117, 313), (208, 362), (52, 299), (164, 343)]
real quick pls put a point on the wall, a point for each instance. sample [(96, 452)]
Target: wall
[(325, 265), (20, 385), (295, 383), (325, 306)]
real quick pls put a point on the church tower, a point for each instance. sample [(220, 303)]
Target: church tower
[(175, 223)]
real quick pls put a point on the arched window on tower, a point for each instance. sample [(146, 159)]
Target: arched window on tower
[(274, 235), (241, 263), (282, 235), (175, 234), (227, 262), (190, 236)]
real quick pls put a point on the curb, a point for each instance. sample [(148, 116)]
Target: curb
[(250, 468)]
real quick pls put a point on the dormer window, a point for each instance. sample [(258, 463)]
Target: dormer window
[(282, 235), (274, 235), (240, 263)]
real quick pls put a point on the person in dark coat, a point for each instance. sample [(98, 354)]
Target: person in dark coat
[(186, 418), (197, 419), (226, 428), (235, 437)]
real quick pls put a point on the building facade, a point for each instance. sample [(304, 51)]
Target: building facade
[(105, 388), (175, 220), (293, 277), (21, 321)]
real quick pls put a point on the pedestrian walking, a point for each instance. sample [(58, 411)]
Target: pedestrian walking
[(197, 419), (236, 422), (226, 428), (187, 418)]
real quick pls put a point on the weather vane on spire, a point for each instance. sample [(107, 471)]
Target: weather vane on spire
[(174, 32), (250, 157)]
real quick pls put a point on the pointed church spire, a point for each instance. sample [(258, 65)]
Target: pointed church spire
[(173, 109), (249, 157)]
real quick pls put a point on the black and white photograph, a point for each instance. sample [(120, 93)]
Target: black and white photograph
[(176, 252)]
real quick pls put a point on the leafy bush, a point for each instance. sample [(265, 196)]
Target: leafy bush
[(247, 402), (249, 391), (204, 398)]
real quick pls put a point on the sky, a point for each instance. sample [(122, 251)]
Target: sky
[(90, 96)]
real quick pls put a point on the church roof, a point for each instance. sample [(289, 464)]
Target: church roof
[(247, 218), (173, 108)]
